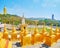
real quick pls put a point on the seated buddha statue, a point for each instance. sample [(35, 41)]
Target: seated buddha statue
[(5, 33), (57, 33), (5, 43), (13, 34)]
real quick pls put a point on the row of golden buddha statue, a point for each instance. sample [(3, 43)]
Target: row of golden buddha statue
[(25, 38)]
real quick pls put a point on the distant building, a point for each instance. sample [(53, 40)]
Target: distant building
[(52, 16)]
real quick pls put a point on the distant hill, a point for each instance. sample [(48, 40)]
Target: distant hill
[(10, 18), (14, 19), (47, 21), (36, 18)]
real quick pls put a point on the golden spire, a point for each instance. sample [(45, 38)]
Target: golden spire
[(5, 30), (5, 10), (56, 31), (51, 31), (36, 28), (43, 30), (13, 29)]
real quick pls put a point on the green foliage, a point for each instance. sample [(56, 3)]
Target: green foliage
[(10, 19)]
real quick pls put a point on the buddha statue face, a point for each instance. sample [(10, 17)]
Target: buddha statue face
[(1, 35)]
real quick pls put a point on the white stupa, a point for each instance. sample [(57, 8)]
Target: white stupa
[(23, 19)]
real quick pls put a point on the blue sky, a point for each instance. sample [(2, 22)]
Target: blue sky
[(32, 8)]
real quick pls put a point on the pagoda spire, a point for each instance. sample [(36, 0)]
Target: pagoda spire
[(5, 10)]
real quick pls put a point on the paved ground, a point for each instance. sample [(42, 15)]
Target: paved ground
[(57, 45)]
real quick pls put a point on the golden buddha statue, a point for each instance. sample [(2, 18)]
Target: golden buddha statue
[(58, 36), (43, 34), (13, 34), (57, 33), (23, 26), (21, 38), (2, 41), (53, 36), (47, 40), (5, 33), (25, 38), (36, 35), (32, 39), (22, 34), (50, 38)]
